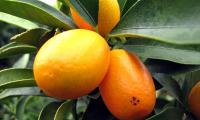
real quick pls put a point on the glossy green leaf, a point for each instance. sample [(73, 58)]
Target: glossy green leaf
[(97, 109), (48, 35), (128, 5), (14, 48), (49, 111), (184, 54), (161, 102), (170, 113), (168, 21), (95, 94), (22, 62), (81, 105), (163, 53), (31, 37), (22, 91), (170, 68), (122, 4), (20, 108), (63, 7), (64, 111), (36, 11), (12, 78), (170, 85), (17, 21), (88, 9)]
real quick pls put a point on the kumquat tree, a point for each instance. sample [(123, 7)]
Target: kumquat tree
[(100, 60)]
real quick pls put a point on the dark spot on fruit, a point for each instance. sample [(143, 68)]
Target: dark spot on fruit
[(134, 101), (134, 98)]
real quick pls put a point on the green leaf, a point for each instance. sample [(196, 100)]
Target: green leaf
[(161, 102), (14, 48), (184, 54), (46, 37), (21, 107), (167, 67), (31, 37), (17, 21), (62, 6), (64, 111), (22, 62), (36, 11), (122, 4), (95, 94), (164, 53), (97, 109), (12, 78), (81, 105), (128, 5), (168, 21), (49, 111), (22, 91), (88, 9), (170, 85), (171, 113)]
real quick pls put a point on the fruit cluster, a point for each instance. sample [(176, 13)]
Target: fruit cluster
[(75, 62)]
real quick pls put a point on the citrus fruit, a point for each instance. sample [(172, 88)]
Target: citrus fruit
[(79, 21), (108, 17), (128, 90), (71, 64), (194, 100)]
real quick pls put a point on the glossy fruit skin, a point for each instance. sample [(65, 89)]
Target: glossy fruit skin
[(79, 21), (194, 100), (108, 16), (128, 89), (71, 64)]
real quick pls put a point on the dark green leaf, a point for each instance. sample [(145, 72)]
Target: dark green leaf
[(23, 91), (96, 109), (46, 37), (170, 113), (81, 106), (63, 6), (12, 78), (122, 4), (21, 107), (49, 111), (184, 54), (31, 37), (160, 104), (17, 21), (94, 94), (168, 21), (22, 62), (88, 9), (14, 48), (167, 67), (64, 111), (128, 5), (170, 85), (36, 11)]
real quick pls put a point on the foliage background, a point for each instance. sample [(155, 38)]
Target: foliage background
[(8, 105)]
